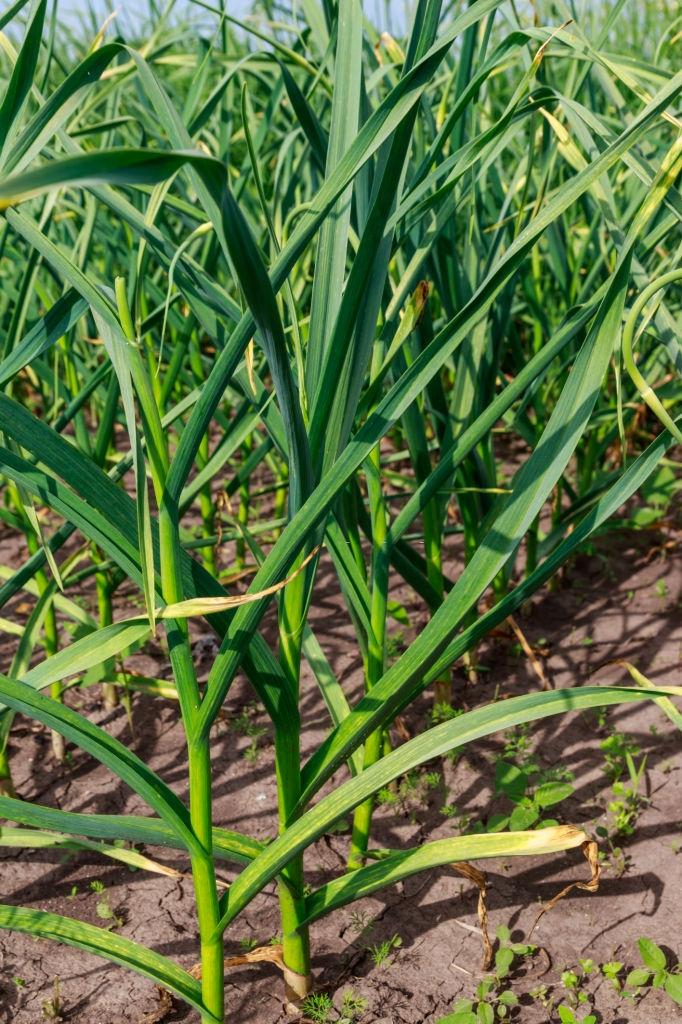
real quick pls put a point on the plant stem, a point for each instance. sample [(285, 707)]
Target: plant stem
[(203, 873), (433, 538), (295, 937), (362, 819)]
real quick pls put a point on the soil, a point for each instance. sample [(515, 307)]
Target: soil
[(608, 605)]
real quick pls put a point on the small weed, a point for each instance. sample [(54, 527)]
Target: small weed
[(540, 994), (18, 982), (104, 908), (443, 712), (381, 951), (518, 744), (248, 944), (655, 972), (567, 1016), (361, 922), (615, 749), (628, 802), (488, 1005), (395, 644), (411, 791), (317, 1007), (573, 980), (352, 1007), (616, 859), (244, 724), (509, 951), (611, 972), (492, 1000), (661, 589), (52, 1008), (530, 792)]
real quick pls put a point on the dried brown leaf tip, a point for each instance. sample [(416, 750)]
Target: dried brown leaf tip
[(591, 854), (479, 880), (162, 1010)]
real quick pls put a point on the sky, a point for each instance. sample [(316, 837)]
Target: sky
[(73, 10)]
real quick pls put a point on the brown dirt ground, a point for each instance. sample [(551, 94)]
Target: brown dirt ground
[(608, 606)]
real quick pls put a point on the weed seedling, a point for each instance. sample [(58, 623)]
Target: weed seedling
[(244, 724), (489, 1004), (317, 1007), (615, 748), (509, 952), (443, 712), (352, 1007), (52, 1008), (655, 972), (104, 908), (611, 972), (411, 791), (381, 951), (540, 994), (531, 794), (567, 1016), (628, 802), (361, 922)]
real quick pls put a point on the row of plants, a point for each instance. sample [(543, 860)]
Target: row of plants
[(288, 291)]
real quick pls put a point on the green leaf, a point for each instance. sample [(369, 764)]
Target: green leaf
[(485, 1014), (332, 247), (109, 945), (640, 976), (651, 954), (59, 319), (510, 780), (401, 864), (133, 828), (109, 751), (504, 958), (21, 78), (523, 816), (673, 987), (551, 793), (429, 745), (90, 650), (508, 998), (385, 709)]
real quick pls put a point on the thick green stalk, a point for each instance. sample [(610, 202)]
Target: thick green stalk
[(433, 539), (295, 935), (203, 874), (198, 746), (51, 645), (200, 791), (362, 818)]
